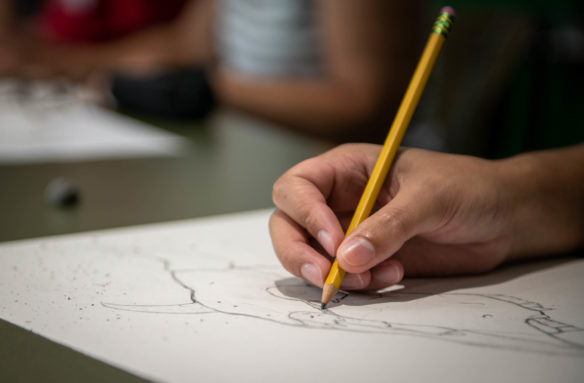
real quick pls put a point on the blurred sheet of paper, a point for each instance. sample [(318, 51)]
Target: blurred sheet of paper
[(48, 122)]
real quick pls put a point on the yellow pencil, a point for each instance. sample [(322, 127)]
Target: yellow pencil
[(404, 114)]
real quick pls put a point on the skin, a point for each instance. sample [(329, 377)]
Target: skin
[(182, 42), (366, 72), (437, 214), (367, 55)]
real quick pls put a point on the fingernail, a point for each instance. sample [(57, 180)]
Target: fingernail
[(353, 282), (312, 274), (357, 252), (326, 241)]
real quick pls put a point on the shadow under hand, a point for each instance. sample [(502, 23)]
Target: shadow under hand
[(415, 288)]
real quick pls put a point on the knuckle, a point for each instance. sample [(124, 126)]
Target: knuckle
[(279, 190), (395, 222), (311, 221), (343, 148)]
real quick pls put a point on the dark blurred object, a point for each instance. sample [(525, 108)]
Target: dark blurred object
[(62, 192), (178, 94), (511, 77), (26, 8), (541, 108)]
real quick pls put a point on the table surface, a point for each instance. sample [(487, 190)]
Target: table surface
[(230, 166)]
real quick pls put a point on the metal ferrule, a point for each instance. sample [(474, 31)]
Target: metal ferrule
[(443, 24)]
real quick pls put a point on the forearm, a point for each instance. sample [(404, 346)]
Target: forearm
[(161, 46), (547, 201), (322, 106), (368, 53), (181, 42)]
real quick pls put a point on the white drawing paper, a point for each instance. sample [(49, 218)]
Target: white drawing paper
[(40, 123), (207, 300)]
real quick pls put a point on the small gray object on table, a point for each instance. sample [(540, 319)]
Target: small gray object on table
[(62, 192)]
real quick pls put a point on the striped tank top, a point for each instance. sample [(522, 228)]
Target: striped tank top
[(270, 37)]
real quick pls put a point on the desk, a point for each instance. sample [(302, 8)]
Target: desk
[(230, 167)]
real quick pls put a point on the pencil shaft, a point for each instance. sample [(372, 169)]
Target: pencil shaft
[(397, 130), (388, 151)]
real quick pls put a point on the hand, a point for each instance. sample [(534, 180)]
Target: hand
[(437, 214)]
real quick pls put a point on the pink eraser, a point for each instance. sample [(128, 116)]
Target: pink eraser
[(449, 10)]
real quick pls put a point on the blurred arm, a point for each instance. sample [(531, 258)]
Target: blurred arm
[(367, 64), (181, 42)]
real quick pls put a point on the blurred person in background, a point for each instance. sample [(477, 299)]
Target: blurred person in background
[(73, 37), (335, 69)]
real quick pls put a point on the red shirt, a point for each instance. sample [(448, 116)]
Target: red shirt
[(76, 21)]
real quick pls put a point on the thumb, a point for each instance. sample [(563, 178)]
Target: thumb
[(384, 233)]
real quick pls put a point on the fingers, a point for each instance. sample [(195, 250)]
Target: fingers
[(316, 192), (306, 196), (423, 258), (302, 201), (291, 246), (302, 194), (387, 273), (438, 217), (385, 232)]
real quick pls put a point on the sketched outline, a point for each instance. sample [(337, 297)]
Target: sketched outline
[(540, 321)]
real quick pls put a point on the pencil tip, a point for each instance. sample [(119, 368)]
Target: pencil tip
[(322, 305)]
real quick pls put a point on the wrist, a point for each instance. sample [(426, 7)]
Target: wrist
[(518, 191), (543, 192)]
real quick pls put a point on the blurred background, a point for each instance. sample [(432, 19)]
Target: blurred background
[(507, 81), (116, 113)]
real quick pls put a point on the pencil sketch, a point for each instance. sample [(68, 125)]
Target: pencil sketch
[(264, 292), (207, 300)]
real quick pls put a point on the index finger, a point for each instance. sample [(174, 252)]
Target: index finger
[(314, 192), (301, 194)]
